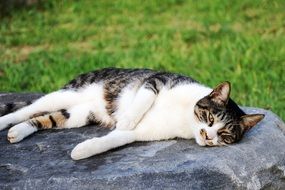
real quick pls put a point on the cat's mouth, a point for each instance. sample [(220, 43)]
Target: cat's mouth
[(209, 141)]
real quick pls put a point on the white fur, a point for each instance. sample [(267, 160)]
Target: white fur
[(20, 131), (125, 100), (92, 101), (141, 116), (62, 99), (98, 145), (171, 115), (79, 113), (139, 105), (78, 103), (53, 102)]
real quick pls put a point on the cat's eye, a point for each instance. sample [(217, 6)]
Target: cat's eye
[(211, 119), (227, 139)]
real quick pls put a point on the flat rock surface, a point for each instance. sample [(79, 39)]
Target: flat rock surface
[(42, 161)]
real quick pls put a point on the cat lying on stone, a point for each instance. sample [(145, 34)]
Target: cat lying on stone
[(141, 104)]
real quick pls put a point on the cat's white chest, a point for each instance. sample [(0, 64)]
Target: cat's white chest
[(171, 115)]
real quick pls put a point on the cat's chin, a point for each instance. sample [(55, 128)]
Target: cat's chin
[(200, 141)]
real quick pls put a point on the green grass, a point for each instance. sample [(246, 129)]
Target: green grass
[(212, 41)]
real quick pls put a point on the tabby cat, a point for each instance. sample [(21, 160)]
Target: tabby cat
[(141, 104)]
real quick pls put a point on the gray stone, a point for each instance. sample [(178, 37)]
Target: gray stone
[(42, 161)]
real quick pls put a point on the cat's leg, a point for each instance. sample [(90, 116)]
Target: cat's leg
[(51, 102), (142, 102), (99, 145), (77, 116)]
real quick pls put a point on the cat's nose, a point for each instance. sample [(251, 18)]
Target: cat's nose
[(206, 135), (208, 138), (210, 135)]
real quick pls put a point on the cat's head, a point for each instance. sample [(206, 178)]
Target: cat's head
[(220, 120)]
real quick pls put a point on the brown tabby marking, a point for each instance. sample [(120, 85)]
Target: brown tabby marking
[(39, 114), (52, 120), (218, 107), (111, 91), (203, 133), (91, 119)]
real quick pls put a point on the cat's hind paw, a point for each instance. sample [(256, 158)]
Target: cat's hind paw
[(19, 132)]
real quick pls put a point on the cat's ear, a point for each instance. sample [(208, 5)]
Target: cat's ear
[(221, 93), (248, 121)]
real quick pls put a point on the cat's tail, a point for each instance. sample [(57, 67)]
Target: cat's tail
[(99, 145), (10, 107)]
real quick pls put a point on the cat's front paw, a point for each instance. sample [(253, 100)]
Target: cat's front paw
[(19, 132), (82, 150), (126, 124)]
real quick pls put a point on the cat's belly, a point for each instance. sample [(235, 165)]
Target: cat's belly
[(168, 118)]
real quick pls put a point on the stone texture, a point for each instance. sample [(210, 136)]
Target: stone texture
[(42, 161)]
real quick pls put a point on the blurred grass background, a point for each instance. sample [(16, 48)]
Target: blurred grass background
[(43, 47)]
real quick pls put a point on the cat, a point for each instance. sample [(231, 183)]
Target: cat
[(141, 104)]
